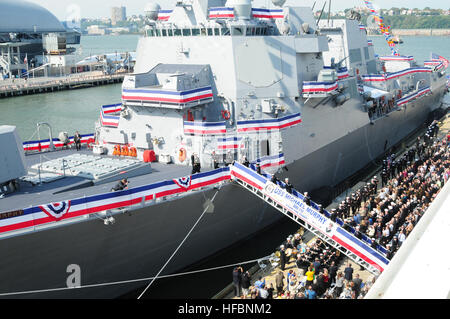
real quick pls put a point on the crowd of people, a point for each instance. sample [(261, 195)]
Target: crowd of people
[(409, 183), (385, 213), (313, 273)]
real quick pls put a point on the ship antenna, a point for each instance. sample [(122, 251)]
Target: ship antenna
[(329, 13), (312, 9), (320, 17)]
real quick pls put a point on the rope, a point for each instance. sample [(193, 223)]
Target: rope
[(179, 246), (136, 280)]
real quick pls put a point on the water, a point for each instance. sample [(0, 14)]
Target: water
[(72, 110), (79, 109), (420, 47)]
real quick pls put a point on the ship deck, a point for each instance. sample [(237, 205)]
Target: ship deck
[(70, 187)]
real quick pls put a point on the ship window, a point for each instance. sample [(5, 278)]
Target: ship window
[(248, 31), (195, 32), (170, 32), (210, 31), (164, 32), (158, 32), (186, 32), (216, 31), (150, 33), (177, 32), (258, 31)]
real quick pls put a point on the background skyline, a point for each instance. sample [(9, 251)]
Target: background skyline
[(68, 9)]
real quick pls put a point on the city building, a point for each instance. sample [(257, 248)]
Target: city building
[(118, 14), (27, 33)]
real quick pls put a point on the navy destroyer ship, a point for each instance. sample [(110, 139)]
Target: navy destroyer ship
[(215, 83)]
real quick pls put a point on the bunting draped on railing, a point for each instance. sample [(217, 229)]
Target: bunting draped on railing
[(204, 128), (390, 76), (112, 108), (269, 124), (164, 15), (221, 12), (437, 58), (262, 13), (413, 96), (342, 73), (309, 213), (229, 143), (385, 29), (312, 87), (29, 218), (109, 120), (270, 161), (396, 58), (45, 144), (167, 96)]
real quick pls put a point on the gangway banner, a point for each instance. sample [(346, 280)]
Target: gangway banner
[(296, 206), (326, 226)]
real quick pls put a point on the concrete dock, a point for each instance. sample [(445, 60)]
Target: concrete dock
[(19, 87)]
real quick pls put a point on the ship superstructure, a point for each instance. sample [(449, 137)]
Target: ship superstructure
[(214, 82)]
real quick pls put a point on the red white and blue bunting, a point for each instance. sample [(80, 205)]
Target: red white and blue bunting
[(41, 145), (221, 12), (54, 212), (269, 124), (165, 96), (204, 128), (413, 96)]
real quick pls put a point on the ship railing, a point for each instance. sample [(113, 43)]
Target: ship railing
[(103, 206), (293, 206), (38, 146)]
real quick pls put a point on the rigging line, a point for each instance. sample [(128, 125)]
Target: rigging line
[(135, 280), (179, 246)]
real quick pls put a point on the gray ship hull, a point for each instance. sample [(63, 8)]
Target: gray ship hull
[(140, 242)]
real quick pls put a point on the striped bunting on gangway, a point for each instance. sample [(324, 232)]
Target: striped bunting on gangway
[(311, 216)]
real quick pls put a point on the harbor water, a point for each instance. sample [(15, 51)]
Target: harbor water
[(77, 110)]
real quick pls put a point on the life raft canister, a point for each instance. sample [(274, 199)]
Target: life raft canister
[(133, 152), (124, 151), (182, 155), (116, 150), (226, 114)]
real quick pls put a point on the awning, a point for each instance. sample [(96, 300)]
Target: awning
[(375, 93)]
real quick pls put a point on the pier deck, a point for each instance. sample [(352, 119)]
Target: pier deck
[(19, 87)]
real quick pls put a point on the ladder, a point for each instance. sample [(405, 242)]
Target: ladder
[(310, 219)]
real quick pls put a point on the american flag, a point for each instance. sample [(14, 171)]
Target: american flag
[(436, 57)]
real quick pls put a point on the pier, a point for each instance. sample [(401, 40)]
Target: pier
[(19, 87)]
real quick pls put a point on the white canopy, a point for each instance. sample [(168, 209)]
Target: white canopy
[(375, 93)]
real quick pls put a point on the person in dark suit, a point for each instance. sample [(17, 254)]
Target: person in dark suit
[(306, 198), (348, 272), (77, 140), (283, 258), (195, 163), (288, 185), (237, 279), (121, 185)]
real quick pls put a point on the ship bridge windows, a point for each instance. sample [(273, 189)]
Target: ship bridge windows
[(186, 32), (167, 31)]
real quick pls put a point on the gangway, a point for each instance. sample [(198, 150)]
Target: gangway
[(308, 217)]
